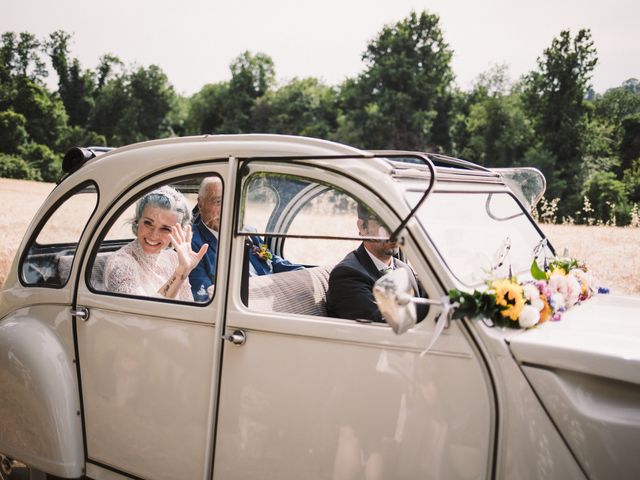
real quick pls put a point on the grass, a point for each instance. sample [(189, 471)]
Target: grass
[(611, 253)]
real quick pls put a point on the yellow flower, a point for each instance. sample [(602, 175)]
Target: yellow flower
[(509, 294)]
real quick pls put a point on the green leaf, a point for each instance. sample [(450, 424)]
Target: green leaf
[(536, 272)]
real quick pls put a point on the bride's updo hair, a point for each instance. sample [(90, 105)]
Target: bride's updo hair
[(167, 198)]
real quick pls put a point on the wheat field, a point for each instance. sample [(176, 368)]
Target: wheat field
[(611, 253)]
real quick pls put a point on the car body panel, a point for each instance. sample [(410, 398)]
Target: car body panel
[(579, 343), (40, 405)]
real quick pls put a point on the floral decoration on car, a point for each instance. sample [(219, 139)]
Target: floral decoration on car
[(263, 252), (507, 302)]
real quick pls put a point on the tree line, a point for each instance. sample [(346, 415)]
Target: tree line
[(586, 143)]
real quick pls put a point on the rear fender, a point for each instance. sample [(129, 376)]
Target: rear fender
[(39, 401)]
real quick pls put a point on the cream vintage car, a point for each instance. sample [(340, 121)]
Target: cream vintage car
[(258, 382)]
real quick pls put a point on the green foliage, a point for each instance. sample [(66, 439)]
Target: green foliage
[(134, 106), (555, 101), (14, 167), (630, 141), (499, 132), (608, 198), (45, 114), (12, 131), (75, 87), (403, 98), (301, 107), (631, 180), (206, 112), (79, 137), (42, 159)]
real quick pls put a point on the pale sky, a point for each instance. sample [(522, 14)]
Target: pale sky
[(194, 41)]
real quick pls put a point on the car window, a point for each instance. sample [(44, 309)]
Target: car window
[(52, 249), (297, 229), (138, 254)]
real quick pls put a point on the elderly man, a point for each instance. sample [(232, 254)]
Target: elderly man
[(205, 231), (350, 293)]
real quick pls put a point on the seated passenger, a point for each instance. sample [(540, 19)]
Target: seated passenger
[(351, 281), (205, 232), (146, 266)]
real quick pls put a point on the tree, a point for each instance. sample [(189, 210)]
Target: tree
[(251, 77), (22, 88), (301, 107), (403, 98), (227, 107), (608, 198), (75, 87), (206, 111), (134, 106), (555, 100), (12, 131), (42, 160), (498, 133), (15, 167), (630, 140)]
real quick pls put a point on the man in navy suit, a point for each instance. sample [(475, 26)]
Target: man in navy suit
[(350, 293), (205, 230)]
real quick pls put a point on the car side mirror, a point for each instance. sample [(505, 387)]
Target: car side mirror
[(394, 296)]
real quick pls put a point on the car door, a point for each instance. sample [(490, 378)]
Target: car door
[(147, 364), (303, 395)]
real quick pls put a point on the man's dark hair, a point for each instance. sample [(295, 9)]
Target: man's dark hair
[(364, 213)]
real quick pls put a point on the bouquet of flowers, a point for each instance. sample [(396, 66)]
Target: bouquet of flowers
[(263, 252), (506, 302)]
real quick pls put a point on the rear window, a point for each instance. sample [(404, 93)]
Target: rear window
[(52, 249)]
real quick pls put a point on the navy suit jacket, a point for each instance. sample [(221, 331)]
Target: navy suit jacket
[(204, 275), (351, 281)]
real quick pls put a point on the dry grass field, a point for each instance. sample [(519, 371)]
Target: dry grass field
[(612, 253)]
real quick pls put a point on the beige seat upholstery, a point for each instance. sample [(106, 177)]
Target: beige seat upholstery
[(299, 291)]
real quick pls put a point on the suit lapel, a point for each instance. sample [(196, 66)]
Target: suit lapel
[(212, 253), (366, 262)]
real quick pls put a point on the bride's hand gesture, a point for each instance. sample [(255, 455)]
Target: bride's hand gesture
[(181, 242)]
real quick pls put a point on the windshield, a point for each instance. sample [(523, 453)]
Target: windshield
[(479, 234)]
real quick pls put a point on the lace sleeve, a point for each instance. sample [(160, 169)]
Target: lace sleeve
[(121, 275)]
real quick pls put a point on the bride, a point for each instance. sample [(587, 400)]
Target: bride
[(146, 266)]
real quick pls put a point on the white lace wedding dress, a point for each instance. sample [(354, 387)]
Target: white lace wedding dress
[(132, 271)]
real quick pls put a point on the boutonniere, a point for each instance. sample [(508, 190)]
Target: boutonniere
[(263, 252)]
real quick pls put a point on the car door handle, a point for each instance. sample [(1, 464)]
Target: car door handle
[(238, 337), (81, 312)]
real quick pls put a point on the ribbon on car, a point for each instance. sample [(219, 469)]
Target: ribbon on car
[(447, 308)]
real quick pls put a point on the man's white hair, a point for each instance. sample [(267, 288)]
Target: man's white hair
[(206, 181)]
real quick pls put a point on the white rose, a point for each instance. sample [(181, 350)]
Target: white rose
[(558, 284), (532, 294), (529, 316), (557, 301), (573, 291)]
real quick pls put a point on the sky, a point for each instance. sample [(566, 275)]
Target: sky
[(194, 41)]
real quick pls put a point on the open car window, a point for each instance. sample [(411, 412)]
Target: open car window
[(135, 256), (310, 222), (297, 230), (52, 249)]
